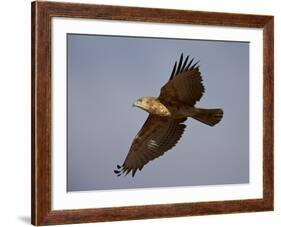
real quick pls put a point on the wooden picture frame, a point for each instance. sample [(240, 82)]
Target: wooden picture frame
[(42, 12)]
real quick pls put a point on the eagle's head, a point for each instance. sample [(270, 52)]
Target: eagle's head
[(152, 105), (145, 103)]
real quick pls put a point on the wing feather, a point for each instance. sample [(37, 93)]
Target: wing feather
[(157, 136), (184, 86)]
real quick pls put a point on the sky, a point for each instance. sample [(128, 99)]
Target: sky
[(106, 74)]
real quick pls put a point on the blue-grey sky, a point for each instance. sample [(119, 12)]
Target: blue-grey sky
[(107, 74)]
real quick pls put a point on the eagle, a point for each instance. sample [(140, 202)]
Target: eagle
[(164, 125)]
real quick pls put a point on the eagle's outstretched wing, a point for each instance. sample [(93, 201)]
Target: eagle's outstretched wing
[(157, 136), (184, 86)]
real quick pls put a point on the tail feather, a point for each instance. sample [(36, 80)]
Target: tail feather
[(209, 116)]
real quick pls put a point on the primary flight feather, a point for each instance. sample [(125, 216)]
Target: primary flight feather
[(164, 125)]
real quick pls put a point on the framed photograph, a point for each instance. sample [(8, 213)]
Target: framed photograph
[(144, 113)]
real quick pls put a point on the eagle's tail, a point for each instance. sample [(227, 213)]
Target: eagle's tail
[(209, 116)]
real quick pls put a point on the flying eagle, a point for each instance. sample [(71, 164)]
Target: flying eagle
[(164, 125)]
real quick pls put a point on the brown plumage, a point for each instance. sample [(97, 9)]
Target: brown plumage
[(164, 125)]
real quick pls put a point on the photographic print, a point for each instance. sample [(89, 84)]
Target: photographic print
[(191, 124), (142, 113)]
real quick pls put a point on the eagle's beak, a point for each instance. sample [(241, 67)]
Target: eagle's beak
[(136, 104)]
